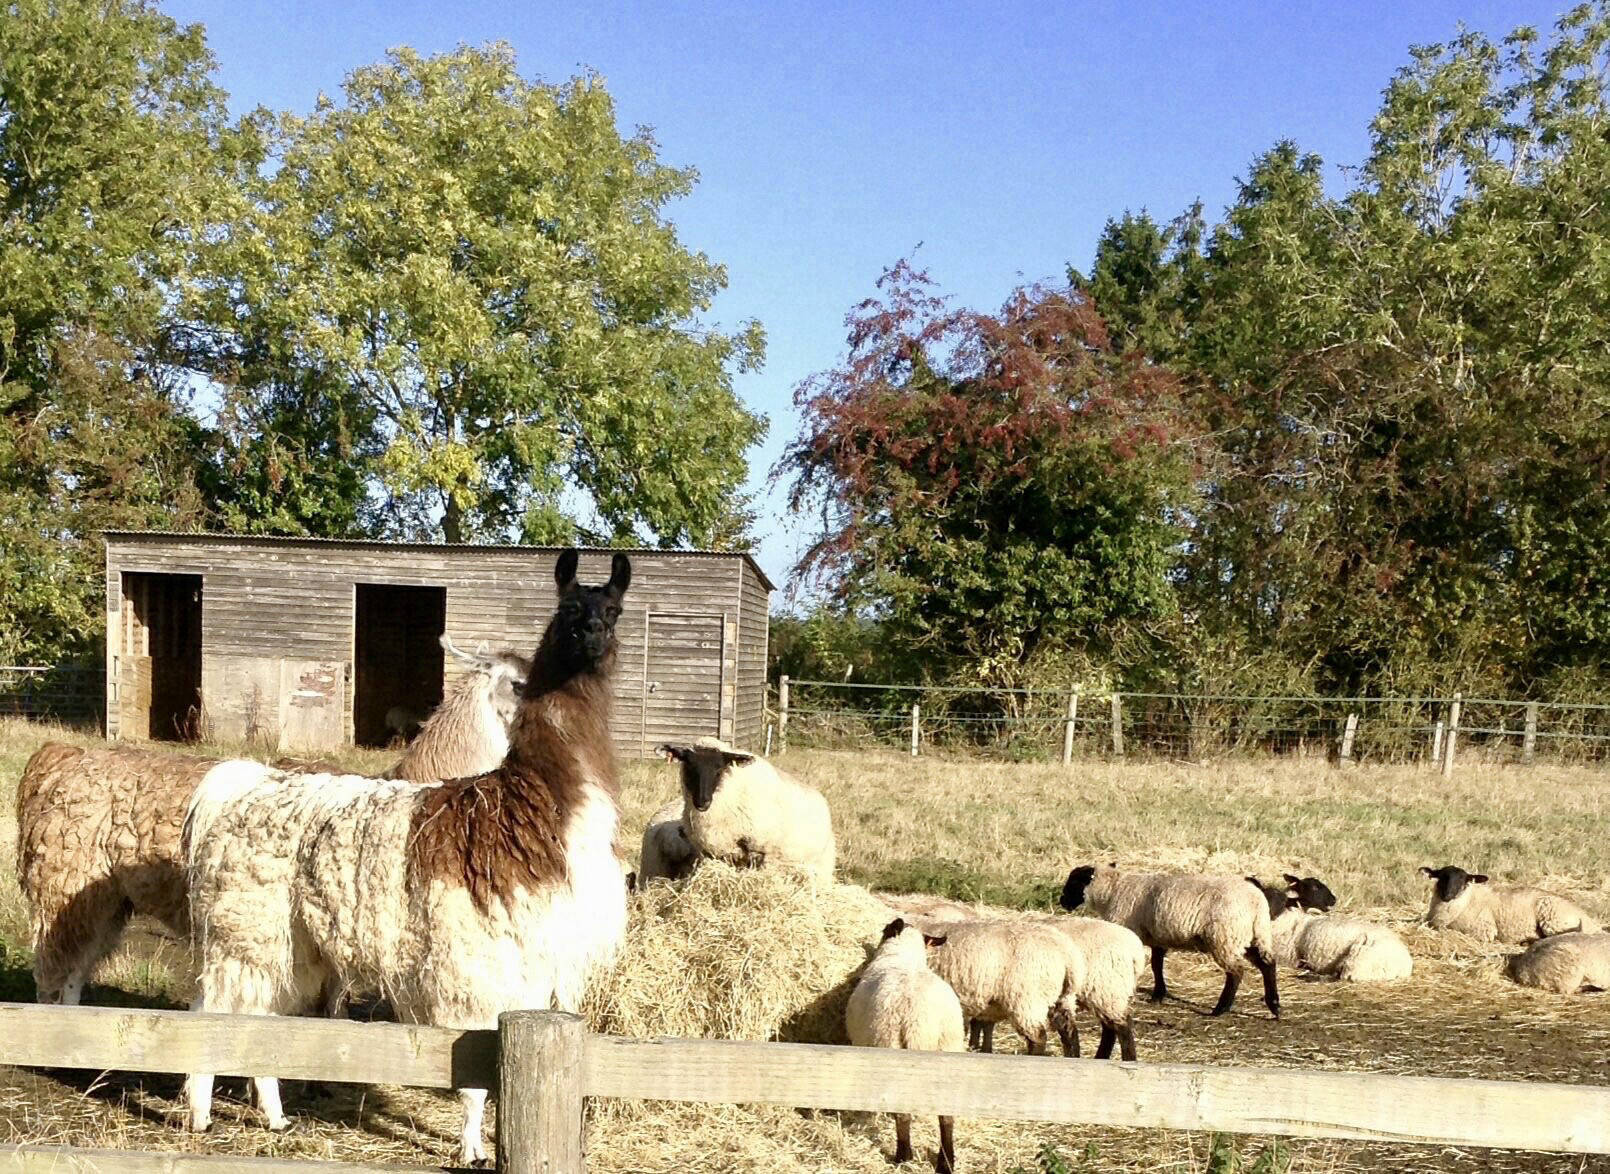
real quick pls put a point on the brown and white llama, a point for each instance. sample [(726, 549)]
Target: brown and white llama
[(98, 829), (456, 900)]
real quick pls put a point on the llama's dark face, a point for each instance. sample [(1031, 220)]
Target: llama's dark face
[(1073, 892), (702, 768), (582, 633), (1451, 881)]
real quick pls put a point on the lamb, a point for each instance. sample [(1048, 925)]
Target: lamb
[(1013, 969), (468, 733), (1567, 963), (898, 1002), (457, 900), (98, 830), (1223, 917), (667, 853), (1114, 960), (1500, 913), (741, 809), (1331, 946)]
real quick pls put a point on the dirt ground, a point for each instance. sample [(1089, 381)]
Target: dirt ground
[(1457, 1017)]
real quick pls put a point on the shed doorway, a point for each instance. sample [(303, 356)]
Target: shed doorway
[(397, 660), (159, 657)]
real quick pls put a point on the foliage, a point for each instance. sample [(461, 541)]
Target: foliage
[(988, 485), (115, 159), (473, 272)]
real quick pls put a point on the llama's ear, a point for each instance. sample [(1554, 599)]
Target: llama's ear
[(564, 571), (620, 574)]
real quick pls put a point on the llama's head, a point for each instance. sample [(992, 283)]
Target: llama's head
[(504, 672), (581, 636)]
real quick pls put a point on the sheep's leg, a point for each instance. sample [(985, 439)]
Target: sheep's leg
[(1067, 1030), (1232, 981), (1159, 983), (471, 1151), (902, 1138), (945, 1163), (1266, 967), (981, 1035), (1108, 1038)]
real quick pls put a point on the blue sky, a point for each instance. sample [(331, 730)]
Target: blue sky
[(831, 139)]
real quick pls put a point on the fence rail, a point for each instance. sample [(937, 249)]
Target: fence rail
[(66, 691), (553, 1063), (1047, 723)]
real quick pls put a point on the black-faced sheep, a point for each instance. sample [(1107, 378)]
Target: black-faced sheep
[(1331, 945), (1017, 970), (1567, 963), (667, 853), (1226, 918), (1467, 903), (456, 900), (898, 1002)]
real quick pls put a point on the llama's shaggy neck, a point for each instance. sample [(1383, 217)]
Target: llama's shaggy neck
[(505, 830)]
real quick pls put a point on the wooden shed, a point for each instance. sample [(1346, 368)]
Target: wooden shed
[(306, 644)]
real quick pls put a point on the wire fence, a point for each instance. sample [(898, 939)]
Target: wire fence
[(1048, 724), (67, 692)]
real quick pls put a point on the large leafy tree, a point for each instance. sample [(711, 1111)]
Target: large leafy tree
[(989, 487), (115, 160), (472, 274)]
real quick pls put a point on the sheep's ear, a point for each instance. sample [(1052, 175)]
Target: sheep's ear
[(928, 940), (895, 927), (620, 574), (1291, 880), (737, 757), (674, 753), (1429, 871), (1479, 879), (564, 571), (1293, 903)]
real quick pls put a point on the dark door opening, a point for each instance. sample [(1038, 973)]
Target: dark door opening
[(397, 660), (159, 669)]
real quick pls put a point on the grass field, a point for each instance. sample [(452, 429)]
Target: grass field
[(1007, 835)]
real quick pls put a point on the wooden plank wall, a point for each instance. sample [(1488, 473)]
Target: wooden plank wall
[(267, 600), (754, 620)]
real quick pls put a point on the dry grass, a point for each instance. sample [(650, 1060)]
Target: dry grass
[(710, 960)]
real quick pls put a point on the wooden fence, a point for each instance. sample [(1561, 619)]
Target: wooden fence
[(554, 1063)]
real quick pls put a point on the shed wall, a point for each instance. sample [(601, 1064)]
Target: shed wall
[(279, 610), (754, 620)]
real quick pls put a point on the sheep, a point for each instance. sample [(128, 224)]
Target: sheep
[(402, 722), (1114, 960), (1513, 914), (1331, 946), (1567, 963), (468, 733), (1223, 917), (741, 809), (456, 900), (98, 830), (667, 853), (898, 1002), (1014, 969), (928, 912)]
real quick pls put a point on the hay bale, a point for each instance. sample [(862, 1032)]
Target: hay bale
[(751, 954)]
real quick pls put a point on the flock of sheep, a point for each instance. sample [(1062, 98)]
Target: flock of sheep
[(503, 886)]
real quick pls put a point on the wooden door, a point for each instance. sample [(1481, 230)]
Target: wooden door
[(682, 659)]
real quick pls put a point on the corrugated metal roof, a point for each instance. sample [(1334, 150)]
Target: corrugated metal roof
[(382, 543)]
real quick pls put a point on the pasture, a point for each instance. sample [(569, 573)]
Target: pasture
[(1006, 835)]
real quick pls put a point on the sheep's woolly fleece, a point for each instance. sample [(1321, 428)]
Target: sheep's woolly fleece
[(751, 954)]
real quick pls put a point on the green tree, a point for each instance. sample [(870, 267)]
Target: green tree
[(474, 273), (115, 160)]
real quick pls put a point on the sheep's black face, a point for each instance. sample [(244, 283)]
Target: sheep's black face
[(582, 632), (1073, 892), (702, 768), (1311, 892), (1451, 881)]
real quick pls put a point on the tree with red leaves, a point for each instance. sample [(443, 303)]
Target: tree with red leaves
[(991, 487)]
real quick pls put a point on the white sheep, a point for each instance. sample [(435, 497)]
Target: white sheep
[(1224, 917), (1567, 963), (667, 853), (1014, 969), (742, 809), (1333, 946), (457, 900), (898, 1002), (1114, 961), (98, 830), (1514, 914)]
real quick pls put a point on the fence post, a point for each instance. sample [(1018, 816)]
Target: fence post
[(539, 1092), (1529, 741), (1117, 725), (1347, 737), (782, 713), (768, 740), (1453, 735), (1436, 744), (1067, 730), (916, 729)]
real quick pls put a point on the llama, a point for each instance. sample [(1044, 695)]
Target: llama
[(98, 829), (456, 900)]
